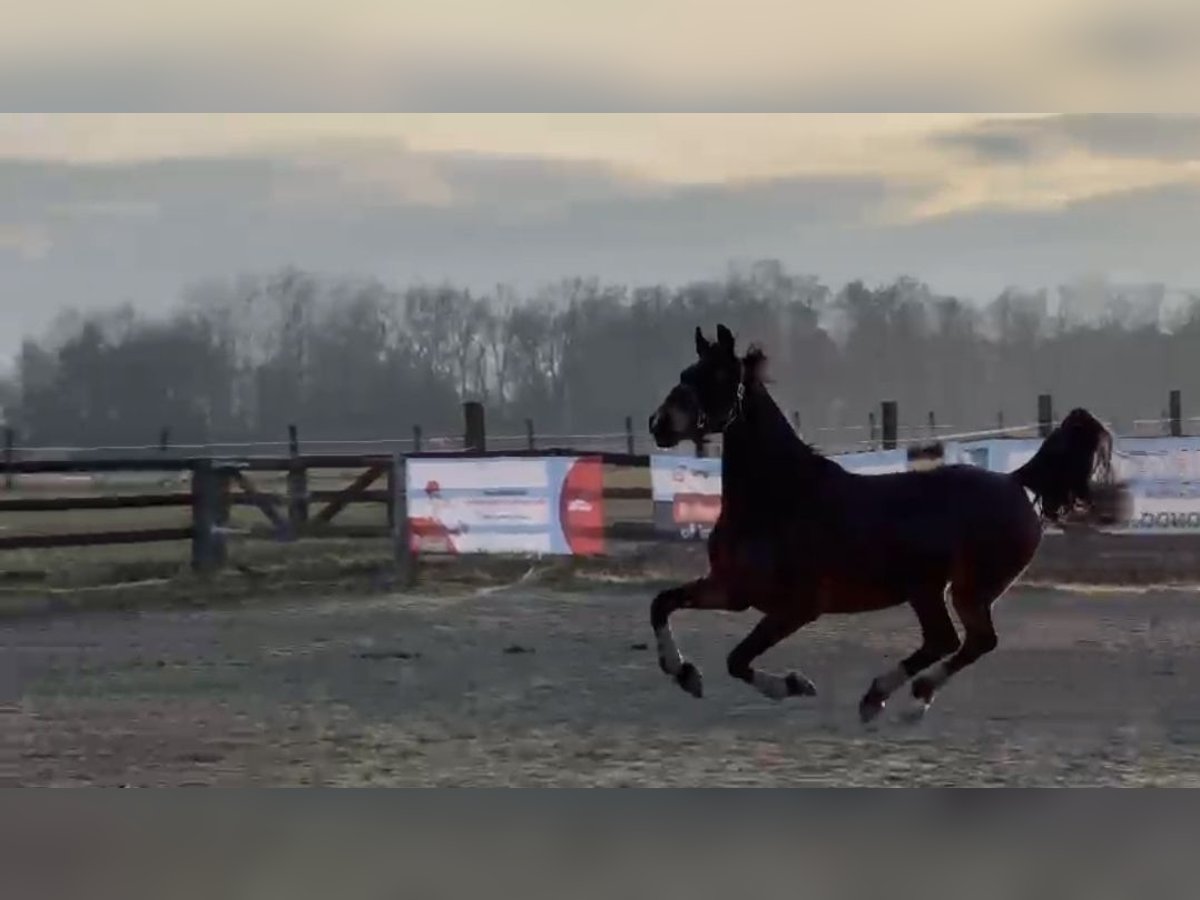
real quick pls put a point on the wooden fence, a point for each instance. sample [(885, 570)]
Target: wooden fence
[(218, 485)]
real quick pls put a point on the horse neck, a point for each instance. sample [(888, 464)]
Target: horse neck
[(763, 460)]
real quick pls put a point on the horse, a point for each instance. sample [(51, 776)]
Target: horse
[(799, 537)]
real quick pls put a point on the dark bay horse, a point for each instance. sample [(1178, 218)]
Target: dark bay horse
[(799, 537)]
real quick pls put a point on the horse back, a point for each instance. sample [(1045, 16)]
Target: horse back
[(928, 523), (867, 542)]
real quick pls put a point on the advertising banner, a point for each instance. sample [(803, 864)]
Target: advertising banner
[(544, 506), (687, 490), (1162, 475), (873, 462), (687, 495)]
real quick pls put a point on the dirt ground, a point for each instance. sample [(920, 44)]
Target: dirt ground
[(529, 686)]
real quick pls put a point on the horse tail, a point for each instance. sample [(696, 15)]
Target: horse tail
[(1060, 475)]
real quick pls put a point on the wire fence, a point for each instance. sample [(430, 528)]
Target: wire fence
[(1158, 427), (615, 442), (827, 439)]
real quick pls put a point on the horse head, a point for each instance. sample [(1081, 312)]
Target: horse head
[(708, 396)]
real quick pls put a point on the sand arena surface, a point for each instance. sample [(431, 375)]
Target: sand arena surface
[(536, 687)]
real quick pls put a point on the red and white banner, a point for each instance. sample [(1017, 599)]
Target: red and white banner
[(553, 505)]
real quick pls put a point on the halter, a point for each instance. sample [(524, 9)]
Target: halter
[(735, 411)]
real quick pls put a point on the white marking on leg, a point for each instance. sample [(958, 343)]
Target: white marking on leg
[(773, 686), (923, 690), (668, 652)]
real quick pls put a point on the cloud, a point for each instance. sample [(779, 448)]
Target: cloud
[(1149, 136), (96, 234), (143, 231), (1131, 235), (429, 83), (992, 142), (619, 55), (1141, 135), (1143, 38), (152, 84), (526, 185)]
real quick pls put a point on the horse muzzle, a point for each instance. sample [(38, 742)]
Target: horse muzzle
[(673, 421), (662, 429)]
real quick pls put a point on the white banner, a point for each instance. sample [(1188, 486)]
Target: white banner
[(1163, 475), (549, 505)]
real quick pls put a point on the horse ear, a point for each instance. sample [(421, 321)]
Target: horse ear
[(725, 339), (702, 343)]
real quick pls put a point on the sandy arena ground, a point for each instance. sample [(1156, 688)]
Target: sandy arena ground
[(534, 687)]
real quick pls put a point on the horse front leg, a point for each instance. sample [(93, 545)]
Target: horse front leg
[(703, 593)]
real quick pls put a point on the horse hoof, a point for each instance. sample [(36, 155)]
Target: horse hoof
[(922, 691), (690, 680), (869, 708), (799, 686)]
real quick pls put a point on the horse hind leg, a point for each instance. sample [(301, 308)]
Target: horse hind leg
[(973, 603), (703, 593), (938, 640), (770, 630)]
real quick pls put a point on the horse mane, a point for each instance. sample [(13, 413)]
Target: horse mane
[(767, 468), (755, 374), (754, 365)]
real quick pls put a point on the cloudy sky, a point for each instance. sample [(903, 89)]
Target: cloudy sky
[(631, 139)]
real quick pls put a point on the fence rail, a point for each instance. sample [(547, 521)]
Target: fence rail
[(96, 538)]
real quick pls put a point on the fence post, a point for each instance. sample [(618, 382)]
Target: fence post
[(402, 549), (932, 425), (1175, 404), (1045, 415), (474, 429), (888, 416), (391, 493), (210, 517), (872, 432), (10, 456), (416, 439), (629, 435), (297, 485), (529, 441), (1000, 421), (164, 441)]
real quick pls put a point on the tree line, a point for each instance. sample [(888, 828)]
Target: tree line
[(345, 359)]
